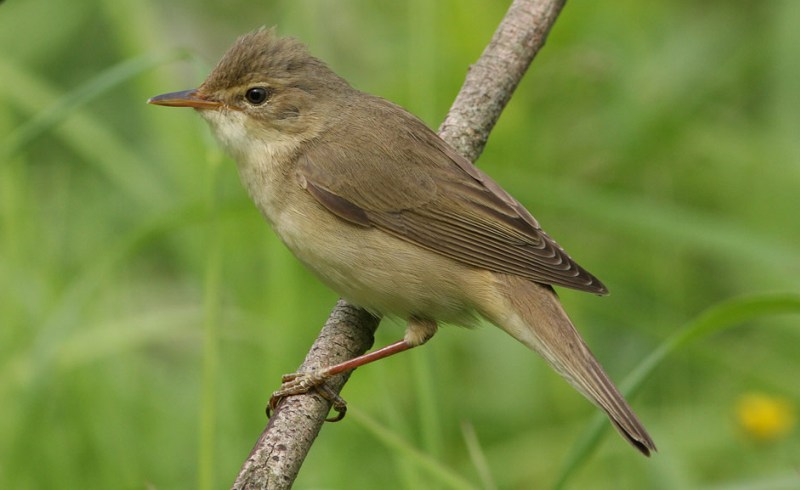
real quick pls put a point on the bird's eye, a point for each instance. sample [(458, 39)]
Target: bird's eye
[(257, 95)]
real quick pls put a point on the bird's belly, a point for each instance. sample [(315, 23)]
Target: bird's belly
[(379, 272)]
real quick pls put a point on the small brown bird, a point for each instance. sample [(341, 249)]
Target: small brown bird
[(391, 217)]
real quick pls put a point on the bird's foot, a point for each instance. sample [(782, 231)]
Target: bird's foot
[(300, 383)]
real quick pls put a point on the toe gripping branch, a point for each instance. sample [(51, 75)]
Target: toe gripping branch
[(300, 383)]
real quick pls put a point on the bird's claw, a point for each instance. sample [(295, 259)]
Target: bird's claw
[(300, 383)]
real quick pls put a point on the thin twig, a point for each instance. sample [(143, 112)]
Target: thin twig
[(277, 456)]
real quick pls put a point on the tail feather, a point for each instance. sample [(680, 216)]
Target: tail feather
[(533, 315), (619, 412)]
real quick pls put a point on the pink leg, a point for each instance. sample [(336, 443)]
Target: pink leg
[(299, 383)]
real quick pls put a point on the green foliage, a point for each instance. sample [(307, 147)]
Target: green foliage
[(147, 312)]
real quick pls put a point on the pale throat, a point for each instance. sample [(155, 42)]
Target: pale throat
[(257, 151)]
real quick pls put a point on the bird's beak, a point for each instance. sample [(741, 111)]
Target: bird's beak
[(186, 98)]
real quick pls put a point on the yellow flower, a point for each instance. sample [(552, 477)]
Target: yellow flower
[(765, 417)]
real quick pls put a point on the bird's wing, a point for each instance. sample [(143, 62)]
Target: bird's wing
[(421, 190)]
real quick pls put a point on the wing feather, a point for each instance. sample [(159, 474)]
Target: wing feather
[(422, 191)]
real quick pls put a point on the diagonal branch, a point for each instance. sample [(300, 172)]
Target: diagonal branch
[(276, 458), (492, 79)]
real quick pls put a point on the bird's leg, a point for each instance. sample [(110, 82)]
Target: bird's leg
[(418, 331)]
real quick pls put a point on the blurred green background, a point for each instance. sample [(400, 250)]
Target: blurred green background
[(147, 311)]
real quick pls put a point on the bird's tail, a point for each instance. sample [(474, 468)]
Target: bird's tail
[(533, 315)]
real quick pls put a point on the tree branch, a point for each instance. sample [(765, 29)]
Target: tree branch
[(349, 332), (492, 79)]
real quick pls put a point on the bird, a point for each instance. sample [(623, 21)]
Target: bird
[(391, 217)]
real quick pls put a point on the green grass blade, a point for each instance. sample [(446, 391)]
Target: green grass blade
[(66, 105), (58, 326), (719, 317), (212, 302), (91, 139), (788, 481), (434, 468), (478, 456), (660, 221)]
